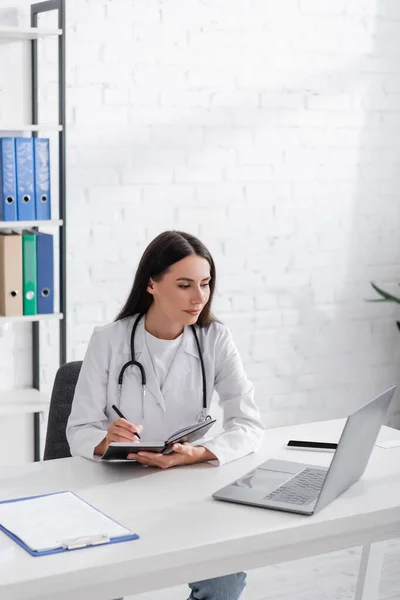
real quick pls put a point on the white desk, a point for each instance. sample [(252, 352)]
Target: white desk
[(188, 536)]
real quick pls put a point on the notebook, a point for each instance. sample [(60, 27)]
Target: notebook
[(57, 523), (191, 433)]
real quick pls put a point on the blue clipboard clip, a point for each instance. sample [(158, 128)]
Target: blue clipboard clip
[(83, 542)]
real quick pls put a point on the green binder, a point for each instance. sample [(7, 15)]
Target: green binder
[(29, 273)]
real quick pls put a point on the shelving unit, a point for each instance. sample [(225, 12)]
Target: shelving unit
[(22, 401), (8, 32), (31, 318), (27, 128), (25, 224), (31, 400)]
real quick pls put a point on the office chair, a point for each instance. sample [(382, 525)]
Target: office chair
[(60, 407)]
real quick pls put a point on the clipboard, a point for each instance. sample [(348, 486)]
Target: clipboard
[(68, 544)]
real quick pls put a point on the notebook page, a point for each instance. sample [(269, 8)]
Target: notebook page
[(46, 522)]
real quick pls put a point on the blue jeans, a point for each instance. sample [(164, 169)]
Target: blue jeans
[(227, 587)]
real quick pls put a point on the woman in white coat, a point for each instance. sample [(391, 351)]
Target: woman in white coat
[(182, 354)]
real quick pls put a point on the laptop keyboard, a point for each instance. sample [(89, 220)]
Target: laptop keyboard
[(301, 489)]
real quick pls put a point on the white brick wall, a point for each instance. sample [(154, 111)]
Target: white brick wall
[(268, 128)]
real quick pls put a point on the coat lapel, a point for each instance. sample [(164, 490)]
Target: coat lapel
[(180, 368), (183, 362), (142, 355)]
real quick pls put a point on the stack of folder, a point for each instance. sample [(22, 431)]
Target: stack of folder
[(24, 179), (26, 274)]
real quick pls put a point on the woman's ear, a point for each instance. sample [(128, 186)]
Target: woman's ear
[(150, 286)]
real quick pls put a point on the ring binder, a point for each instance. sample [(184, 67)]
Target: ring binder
[(25, 183), (8, 185)]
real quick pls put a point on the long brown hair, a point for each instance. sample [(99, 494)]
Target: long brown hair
[(166, 249)]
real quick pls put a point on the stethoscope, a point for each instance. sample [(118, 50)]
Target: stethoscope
[(203, 415)]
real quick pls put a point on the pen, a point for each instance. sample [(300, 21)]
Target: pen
[(119, 413)]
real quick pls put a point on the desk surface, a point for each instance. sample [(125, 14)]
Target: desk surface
[(185, 535)]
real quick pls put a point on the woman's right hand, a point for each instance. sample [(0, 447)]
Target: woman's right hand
[(120, 430)]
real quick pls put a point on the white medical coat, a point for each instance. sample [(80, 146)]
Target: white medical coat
[(180, 401)]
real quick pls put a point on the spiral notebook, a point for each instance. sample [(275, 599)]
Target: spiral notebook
[(58, 522)]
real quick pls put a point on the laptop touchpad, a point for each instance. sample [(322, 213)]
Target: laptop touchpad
[(262, 480)]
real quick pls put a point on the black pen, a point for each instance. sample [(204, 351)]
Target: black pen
[(119, 413)]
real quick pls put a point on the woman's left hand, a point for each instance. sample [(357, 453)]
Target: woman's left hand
[(183, 454)]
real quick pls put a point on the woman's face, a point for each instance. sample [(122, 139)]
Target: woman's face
[(183, 291)]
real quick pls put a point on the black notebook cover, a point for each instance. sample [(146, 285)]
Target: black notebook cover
[(120, 450)]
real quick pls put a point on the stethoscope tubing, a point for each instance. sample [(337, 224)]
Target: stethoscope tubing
[(135, 363)]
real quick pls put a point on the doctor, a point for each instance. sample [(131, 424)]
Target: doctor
[(159, 363)]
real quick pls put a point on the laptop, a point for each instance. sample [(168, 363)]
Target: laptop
[(303, 488)]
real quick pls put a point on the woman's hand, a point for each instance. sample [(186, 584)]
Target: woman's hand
[(120, 430), (183, 454)]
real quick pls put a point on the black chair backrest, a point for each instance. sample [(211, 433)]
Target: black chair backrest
[(60, 408)]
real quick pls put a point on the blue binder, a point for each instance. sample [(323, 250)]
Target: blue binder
[(41, 153), (8, 186), (68, 545), (25, 183), (44, 273)]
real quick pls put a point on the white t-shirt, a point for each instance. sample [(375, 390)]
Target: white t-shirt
[(162, 353)]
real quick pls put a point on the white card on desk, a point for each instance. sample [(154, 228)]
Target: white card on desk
[(388, 444)]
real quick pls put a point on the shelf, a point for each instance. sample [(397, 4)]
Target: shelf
[(22, 127), (23, 224), (9, 32), (30, 318), (23, 401), (21, 38)]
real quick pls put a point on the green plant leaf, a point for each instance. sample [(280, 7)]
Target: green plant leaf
[(388, 297)]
